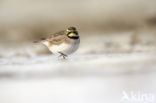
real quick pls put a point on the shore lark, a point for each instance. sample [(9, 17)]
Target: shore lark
[(62, 43)]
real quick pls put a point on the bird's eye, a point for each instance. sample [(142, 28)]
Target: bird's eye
[(76, 32)]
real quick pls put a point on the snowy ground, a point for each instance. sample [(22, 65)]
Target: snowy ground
[(106, 67), (116, 57), (105, 71), (92, 78)]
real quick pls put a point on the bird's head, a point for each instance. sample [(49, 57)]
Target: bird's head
[(72, 33)]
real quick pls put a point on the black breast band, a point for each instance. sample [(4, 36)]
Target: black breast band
[(77, 37)]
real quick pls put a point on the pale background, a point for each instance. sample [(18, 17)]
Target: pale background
[(117, 51)]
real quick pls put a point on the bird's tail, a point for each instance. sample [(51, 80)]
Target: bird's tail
[(39, 41)]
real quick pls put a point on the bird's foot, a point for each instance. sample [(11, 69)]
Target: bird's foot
[(62, 55)]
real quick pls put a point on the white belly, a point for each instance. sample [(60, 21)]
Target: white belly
[(65, 48)]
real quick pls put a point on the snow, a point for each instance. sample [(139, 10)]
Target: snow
[(79, 64), (117, 52), (97, 73), (83, 78)]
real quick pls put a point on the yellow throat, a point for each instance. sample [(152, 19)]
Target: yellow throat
[(72, 35)]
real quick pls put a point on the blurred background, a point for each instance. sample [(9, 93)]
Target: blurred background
[(115, 26), (116, 55)]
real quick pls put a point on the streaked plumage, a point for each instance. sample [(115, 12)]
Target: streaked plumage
[(62, 43)]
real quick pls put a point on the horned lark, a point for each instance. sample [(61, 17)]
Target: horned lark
[(62, 43)]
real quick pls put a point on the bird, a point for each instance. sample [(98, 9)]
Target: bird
[(62, 43)]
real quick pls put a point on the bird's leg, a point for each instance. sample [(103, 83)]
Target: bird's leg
[(63, 55)]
